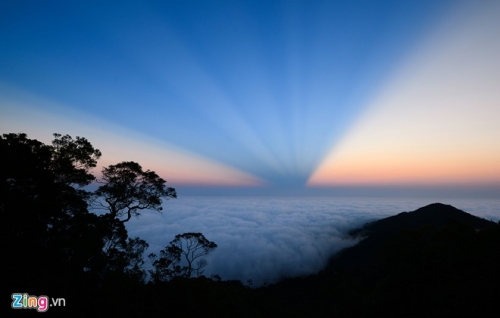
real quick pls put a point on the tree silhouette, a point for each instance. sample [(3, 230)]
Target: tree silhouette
[(43, 210), (193, 246), (72, 160), (127, 189), (190, 247)]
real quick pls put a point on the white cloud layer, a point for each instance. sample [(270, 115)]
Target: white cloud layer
[(265, 238)]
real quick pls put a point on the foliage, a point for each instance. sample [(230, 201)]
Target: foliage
[(188, 247), (72, 160), (127, 189), (43, 213), (46, 211)]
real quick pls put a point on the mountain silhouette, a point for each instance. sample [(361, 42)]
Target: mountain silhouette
[(431, 218), (436, 214), (436, 261)]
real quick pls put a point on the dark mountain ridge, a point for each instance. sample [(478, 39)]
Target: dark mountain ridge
[(436, 261), (431, 219), (436, 214)]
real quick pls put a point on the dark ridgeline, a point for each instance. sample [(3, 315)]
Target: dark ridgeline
[(435, 261), (429, 220), (436, 214)]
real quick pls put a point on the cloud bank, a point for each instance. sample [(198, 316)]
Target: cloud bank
[(267, 239)]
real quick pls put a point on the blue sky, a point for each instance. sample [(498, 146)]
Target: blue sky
[(280, 93)]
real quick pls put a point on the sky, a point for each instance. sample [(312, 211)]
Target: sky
[(263, 94)]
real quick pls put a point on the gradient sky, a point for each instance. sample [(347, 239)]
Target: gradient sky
[(249, 93)]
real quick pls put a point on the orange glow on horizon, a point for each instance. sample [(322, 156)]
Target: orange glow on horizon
[(370, 170), (436, 121), (175, 165)]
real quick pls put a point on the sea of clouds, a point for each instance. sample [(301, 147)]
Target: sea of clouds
[(266, 239)]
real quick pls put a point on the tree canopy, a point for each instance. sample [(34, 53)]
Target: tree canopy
[(72, 160), (45, 204), (126, 189), (188, 248)]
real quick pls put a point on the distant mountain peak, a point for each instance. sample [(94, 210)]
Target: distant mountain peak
[(433, 217), (435, 214), (439, 208)]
